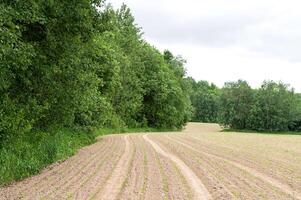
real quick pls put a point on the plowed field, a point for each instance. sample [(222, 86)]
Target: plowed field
[(199, 163)]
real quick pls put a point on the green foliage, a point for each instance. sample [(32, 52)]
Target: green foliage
[(107, 131), (236, 102), (297, 119), (205, 100), (143, 81), (32, 152), (166, 102), (264, 132), (70, 65), (273, 107), (45, 62)]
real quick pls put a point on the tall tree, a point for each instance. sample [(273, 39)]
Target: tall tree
[(274, 108), (45, 74), (237, 99)]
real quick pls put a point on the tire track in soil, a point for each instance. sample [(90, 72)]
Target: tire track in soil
[(283, 187), (175, 183), (96, 183), (178, 188), (125, 183), (210, 171), (114, 183), (240, 185), (200, 191), (154, 185), (172, 186), (135, 184), (275, 182), (183, 180), (157, 166)]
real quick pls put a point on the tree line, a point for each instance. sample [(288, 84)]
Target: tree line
[(272, 107), (83, 64)]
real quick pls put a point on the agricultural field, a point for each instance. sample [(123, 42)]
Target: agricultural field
[(199, 163)]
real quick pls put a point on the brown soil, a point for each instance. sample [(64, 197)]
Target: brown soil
[(199, 163)]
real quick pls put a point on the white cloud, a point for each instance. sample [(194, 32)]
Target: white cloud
[(227, 40)]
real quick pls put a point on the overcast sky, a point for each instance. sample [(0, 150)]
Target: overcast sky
[(226, 40)]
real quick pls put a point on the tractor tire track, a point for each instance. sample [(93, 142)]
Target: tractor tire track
[(200, 191)]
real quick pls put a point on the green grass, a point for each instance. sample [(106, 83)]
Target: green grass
[(263, 132), (28, 155), (108, 131)]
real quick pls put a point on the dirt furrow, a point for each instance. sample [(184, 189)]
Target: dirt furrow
[(34, 187), (249, 151), (114, 184), (90, 187), (76, 183), (216, 175), (134, 185), (273, 162), (145, 179), (125, 183), (200, 191), (176, 187), (155, 184), (70, 175), (81, 157), (163, 176), (212, 173), (285, 188), (260, 167), (199, 163), (173, 184), (143, 189)]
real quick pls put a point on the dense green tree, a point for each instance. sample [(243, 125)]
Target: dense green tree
[(180, 92), (236, 102), (274, 108), (76, 65), (145, 79), (128, 100), (297, 119), (166, 102), (205, 100), (45, 74)]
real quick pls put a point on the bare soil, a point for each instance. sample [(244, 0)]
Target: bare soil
[(199, 163)]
